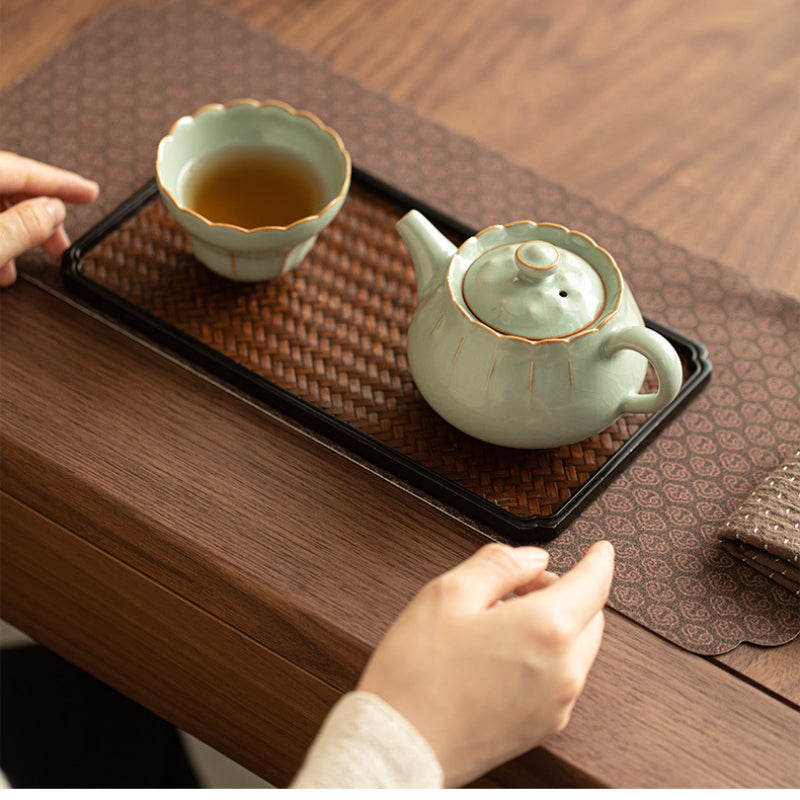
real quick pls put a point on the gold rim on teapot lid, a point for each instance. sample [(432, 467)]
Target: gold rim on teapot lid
[(535, 290)]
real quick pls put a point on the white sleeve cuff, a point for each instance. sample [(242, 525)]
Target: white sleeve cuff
[(365, 743)]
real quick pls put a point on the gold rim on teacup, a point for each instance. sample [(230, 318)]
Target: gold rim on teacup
[(261, 104), (261, 252)]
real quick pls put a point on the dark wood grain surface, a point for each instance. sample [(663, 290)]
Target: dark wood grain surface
[(128, 480), (97, 554)]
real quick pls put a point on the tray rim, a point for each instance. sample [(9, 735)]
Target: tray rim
[(536, 527)]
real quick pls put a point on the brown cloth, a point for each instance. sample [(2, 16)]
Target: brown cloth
[(765, 530)]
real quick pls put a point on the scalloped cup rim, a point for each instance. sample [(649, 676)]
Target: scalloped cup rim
[(189, 119)]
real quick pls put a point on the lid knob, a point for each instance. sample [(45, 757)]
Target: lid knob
[(536, 260), (533, 289)]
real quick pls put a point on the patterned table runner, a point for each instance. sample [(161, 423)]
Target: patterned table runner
[(101, 104)]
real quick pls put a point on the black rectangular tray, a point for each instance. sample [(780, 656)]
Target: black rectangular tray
[(447, 488)]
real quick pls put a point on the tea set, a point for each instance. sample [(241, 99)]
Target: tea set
[(524, 336)]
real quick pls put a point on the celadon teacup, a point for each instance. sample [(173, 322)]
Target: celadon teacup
[(268, 251)]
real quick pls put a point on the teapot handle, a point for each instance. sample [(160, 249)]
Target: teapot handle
[(661, 354)]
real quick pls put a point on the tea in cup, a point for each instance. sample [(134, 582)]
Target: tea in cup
[(253, 184)]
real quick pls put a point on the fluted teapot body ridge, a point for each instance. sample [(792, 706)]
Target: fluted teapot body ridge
[(527, 335)]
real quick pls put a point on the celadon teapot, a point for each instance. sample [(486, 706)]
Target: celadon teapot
[(527, 335)]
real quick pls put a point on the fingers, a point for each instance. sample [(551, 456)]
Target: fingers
[(57, 243), (583, 591), (585, 650), (24, 176), (29, 224), (588, 643), (539, 582), (38, 193), (8, 274), (492, 573)]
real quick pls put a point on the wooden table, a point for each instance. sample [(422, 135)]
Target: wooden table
[(242, 620)]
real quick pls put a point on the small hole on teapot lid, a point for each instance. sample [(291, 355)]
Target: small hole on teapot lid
[(562, 293)]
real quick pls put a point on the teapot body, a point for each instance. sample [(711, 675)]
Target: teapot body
[(539, 391), (516, 392)]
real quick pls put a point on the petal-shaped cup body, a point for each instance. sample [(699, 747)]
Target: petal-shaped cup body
[(252, 254)]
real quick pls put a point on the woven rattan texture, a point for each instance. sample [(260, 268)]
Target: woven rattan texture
[(333, 333)]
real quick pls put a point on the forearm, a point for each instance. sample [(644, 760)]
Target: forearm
[(365, 743)]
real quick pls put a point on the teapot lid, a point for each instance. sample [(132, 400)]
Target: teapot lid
[(535, 290)]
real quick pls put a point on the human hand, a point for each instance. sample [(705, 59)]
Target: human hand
[(488, 659), (32, 210)]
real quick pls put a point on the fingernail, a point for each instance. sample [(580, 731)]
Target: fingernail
[(534, 555), (94, 186), (604, 544), (57, 210)]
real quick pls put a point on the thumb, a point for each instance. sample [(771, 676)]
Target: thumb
[(28, 224), (494, 571)]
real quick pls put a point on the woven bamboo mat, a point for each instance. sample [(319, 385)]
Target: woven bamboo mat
[(333, 335)]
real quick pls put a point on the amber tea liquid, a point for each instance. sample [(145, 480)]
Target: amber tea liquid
[(253, 187)]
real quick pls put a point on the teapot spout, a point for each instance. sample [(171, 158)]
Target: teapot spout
[(430, 250)]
